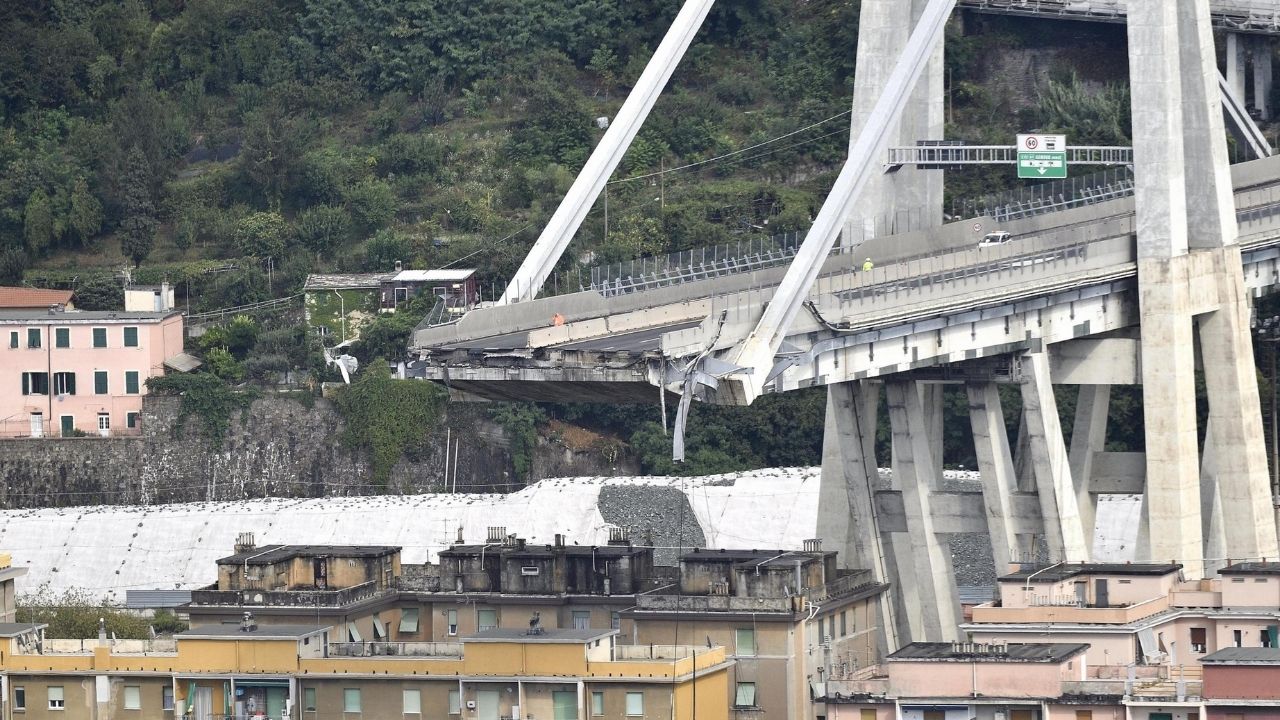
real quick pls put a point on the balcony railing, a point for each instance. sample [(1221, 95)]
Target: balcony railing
[(288, 598), (395, 649)]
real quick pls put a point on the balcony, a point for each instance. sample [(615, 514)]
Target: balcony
[(396, 649), (843, 587), (1049, 613), (712, 603), (288, 598)]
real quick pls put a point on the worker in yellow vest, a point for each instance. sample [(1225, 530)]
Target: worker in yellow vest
[(867, 265)]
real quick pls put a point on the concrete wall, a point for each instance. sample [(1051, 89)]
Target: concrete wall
[(961, 679), (1250, 590), (278, 448), (1242, 682)]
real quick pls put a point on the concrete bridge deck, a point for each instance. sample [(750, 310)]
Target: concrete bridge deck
[(1068, 275)]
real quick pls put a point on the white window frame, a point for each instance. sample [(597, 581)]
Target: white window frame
[(455, 702), (347, 695), (409, 618), (132, 697), (744, 695), (308, 699), (481, 613), (126, 382), (167, 701), (20, 704), (577, 615), (632, 709), (60, 701), (411, 701), (451, 617), (738, 644), (597, 702)]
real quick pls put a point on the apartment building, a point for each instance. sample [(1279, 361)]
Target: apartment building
[(1242, 683), (788, 620), (67, 372), (247, 670)]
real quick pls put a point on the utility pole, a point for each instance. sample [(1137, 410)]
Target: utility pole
[(662, 183)]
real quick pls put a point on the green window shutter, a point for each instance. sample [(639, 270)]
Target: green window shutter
[(131, 382), (26, 383), (100, 382), (131, 337), (99, 337), (33, 337), (131, 420), (62, 337), (13, 339)]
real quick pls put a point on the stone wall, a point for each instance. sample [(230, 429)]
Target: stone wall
[(277, 447)]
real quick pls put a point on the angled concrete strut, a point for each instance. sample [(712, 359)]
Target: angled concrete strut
[(756, 353), (568, 217)]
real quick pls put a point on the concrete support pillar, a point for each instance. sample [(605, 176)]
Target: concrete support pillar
[(1237, 61), (1166, 59), (928, 583), (1088, 436), (910, 198), (1051, 465), (995, 463), (1215, 537), (1235, 418), (1262, 77), (847, 519)]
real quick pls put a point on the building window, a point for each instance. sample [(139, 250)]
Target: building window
[(13, 339), (615, 621), (1084, 715), (19, 697), (1197, 640), (131, 382), (33, 337), (351, 700), (486, 619), (409, 620), (581, 619), (131, 337), (597, 703), (99, 337), (353, 633), (62, 337), (131, 420), (412, 702), (132, 697), (635, 704), (745, 641), (64, 383), (35, 383), (99, 382), (455, 703), (746, 695), (844, 628), (452, 616), (104, 423), (166, 698), (309, 699), (379, 628), (1238, 637), (56, 700)]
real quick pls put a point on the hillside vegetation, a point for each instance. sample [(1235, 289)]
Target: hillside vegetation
[(234, 146)]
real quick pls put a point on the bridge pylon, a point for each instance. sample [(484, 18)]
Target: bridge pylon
[(1187, 249)]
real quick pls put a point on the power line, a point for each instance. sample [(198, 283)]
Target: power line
[(737, 152)]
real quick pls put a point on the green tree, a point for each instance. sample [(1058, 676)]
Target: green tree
[(139, 223), (38, 225), (322, 228), (261, 235), (373, 204), (99, 292), (85, 217), (74, 614)]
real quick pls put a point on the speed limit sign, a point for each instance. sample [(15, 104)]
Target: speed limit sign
[(977, 227)]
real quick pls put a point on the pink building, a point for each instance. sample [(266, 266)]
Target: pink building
[(63, 373), (1242, 683)]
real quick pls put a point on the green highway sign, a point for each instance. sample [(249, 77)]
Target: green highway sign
[(1042, 156)]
